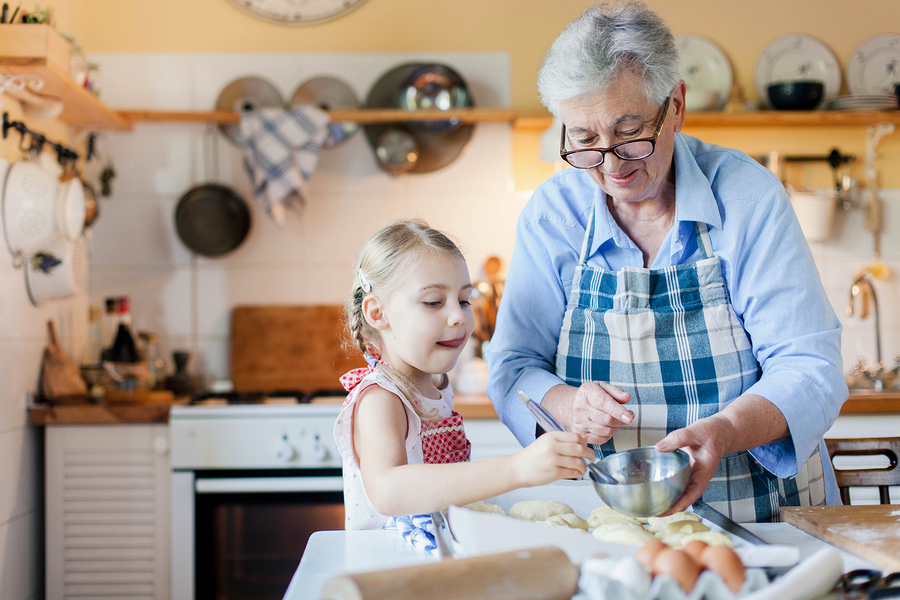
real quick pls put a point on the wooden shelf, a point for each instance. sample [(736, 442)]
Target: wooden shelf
[(362, 116), (531, 120), (40, 50)]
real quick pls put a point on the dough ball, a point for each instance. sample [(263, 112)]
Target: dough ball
[(713, 538), (539, 510), (673, 540), (567, 520), (605, 514), (660, 523), (485, 507), (623, 533), (686, 526)]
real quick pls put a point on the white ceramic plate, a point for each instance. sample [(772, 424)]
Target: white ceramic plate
[(875, 66), (797, 57), (706, 72)]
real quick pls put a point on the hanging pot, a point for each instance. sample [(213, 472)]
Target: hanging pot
[(60, 271), (212, 219), (70, 206)]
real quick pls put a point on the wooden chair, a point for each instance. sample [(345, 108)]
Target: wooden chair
[(880, 477)]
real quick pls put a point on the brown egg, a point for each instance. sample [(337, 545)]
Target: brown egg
[(725, 562), (648, 552), (695, 548), (678, 566)]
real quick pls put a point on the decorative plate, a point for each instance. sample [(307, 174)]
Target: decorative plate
[(797, 57), (875, 66), (704, 68)]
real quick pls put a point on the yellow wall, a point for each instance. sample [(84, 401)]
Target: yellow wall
[(524, 28)]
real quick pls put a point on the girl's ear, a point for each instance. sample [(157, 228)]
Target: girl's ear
[(373, 313)]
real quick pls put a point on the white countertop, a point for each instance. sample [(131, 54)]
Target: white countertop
[(330, 553)]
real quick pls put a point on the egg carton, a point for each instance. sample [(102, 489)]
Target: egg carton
[(626, 579)]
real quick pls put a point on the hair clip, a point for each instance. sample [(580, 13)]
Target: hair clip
[(366, 286)]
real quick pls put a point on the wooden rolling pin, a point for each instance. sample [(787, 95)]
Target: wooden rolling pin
[(543, 573)]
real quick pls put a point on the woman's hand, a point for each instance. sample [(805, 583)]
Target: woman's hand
[(707, 441), (594, 410), (554, 455)]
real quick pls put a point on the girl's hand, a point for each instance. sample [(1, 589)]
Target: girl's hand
[(594, 410), (554, 455)]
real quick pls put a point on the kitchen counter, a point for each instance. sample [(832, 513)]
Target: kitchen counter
[(470, 406), (329, 553)]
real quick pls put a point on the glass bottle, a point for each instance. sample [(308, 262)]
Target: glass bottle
[(124, 349), (95, 347), (156, 366)]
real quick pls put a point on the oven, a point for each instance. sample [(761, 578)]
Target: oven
[(250, 483)]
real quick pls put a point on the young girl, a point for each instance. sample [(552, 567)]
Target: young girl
[(404, 448)]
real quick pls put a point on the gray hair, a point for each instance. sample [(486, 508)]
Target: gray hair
[(589, 55)]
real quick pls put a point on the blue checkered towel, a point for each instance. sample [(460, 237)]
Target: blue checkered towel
[(418, 530), (281, 149)]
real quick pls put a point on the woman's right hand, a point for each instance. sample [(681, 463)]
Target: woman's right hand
[(554, 455), (594, 410)]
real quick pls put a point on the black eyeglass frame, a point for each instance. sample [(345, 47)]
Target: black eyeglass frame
[(564, 154)]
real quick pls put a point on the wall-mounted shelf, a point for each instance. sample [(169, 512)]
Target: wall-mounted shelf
[(532, 120), (362, 116), (39, 50)]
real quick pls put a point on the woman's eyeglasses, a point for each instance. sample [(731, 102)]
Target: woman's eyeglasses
[(588, 158)]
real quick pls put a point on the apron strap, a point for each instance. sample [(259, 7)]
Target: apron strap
[(703, 242)]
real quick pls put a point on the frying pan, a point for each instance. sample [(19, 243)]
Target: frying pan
[(212, 219)]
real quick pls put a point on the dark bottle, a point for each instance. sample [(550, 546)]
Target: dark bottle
[(123, 348)]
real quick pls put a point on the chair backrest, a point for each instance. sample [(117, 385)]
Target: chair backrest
[(878, 477)]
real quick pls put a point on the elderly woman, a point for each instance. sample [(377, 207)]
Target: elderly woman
[(661, 291)]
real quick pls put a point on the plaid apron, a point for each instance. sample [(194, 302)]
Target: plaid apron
[(671, 339)]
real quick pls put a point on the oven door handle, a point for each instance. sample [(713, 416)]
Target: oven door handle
[(267, 485)]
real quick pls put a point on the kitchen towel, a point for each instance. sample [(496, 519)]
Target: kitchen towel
[(281, 150), (418, 530)]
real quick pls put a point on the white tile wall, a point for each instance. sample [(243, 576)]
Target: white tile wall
[(188, 299)]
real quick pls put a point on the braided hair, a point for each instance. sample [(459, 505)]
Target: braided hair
[(379, 268)]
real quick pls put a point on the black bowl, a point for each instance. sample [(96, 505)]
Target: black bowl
[(796, 95)]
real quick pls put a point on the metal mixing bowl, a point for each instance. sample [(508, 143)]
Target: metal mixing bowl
[(649, 481)]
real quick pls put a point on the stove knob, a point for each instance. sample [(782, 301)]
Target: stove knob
[(318, 451), (285, 452)]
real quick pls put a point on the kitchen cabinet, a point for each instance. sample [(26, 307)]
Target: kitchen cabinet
[(107, 511), (39, 50), (865, 426)]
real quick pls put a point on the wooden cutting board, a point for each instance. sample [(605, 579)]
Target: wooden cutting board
[(289, 347), (870, 532)]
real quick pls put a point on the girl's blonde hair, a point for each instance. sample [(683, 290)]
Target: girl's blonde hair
[(380, 266)]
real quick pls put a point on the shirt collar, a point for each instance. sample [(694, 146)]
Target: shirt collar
[(696, 202)]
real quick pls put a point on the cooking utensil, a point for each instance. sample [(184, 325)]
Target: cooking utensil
[(212, 219), (65, 279), (60, 377), (546, 420), (543, 573), (436, 149), (442, 535), (710, 514), (70, 206), (91, 206), (246, 93), (869, 584), (430, 87), (328, 94), (29, 209), (397, 151)]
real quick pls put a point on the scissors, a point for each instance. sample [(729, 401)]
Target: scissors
[(868, 584)]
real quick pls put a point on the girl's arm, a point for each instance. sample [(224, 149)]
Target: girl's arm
[(397, 488)]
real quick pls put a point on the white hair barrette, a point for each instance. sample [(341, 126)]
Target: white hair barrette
[(366, 286)]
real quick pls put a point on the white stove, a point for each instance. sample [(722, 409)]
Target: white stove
[(251, 481)]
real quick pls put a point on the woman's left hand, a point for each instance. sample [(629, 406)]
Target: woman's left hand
[(707, 441)]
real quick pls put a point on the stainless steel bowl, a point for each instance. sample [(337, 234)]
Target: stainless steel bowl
[(649, 481)]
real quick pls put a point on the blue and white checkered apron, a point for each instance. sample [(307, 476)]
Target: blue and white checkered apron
[(671, 339)]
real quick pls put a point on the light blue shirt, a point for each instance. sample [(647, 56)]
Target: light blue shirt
[(772, 282)]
